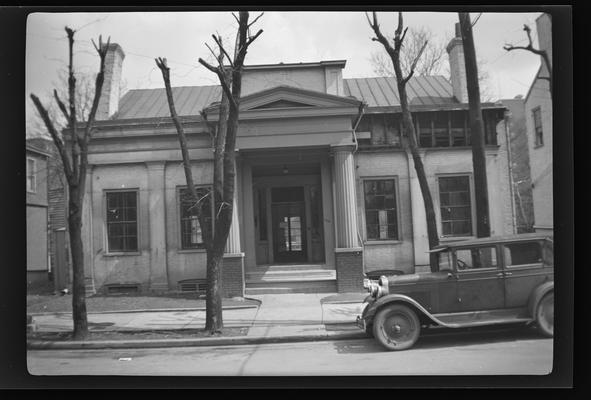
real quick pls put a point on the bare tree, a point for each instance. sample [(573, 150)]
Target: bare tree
[(476, 128), (407, 125), (73, 150), (229, 72), (431, 62), (541, 53)]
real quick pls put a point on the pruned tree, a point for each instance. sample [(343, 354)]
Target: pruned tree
[(541, 53), (476, 128), (72, 146), (229, 72), (407, 124)]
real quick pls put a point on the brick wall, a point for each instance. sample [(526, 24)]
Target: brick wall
[(349, 266), (233, 276)]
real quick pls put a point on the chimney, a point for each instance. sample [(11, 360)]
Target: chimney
[(457, 66), (109, 100)]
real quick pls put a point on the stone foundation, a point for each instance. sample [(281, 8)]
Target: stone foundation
[(233, 275), (349, 266)]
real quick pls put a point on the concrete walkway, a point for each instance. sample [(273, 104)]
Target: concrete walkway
[(278, 318)]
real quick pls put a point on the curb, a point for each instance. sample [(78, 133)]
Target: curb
[(163, 343), (144, 310)]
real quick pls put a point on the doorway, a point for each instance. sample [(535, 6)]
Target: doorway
[(289, 224)]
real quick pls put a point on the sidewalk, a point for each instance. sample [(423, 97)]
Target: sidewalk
[(278, 318)]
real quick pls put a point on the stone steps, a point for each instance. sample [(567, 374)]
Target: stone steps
[(300, 278)]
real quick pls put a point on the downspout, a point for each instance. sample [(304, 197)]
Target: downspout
[(359, 237), (510, 170)]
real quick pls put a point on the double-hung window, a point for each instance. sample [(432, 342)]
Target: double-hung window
[(191, 234), (31, 175), (122, 221), (381, 212), (455, 205)]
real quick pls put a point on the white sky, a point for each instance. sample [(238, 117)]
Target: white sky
[(287, 37)]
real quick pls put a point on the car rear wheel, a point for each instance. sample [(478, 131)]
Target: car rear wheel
[(545, 315), (396, 327)]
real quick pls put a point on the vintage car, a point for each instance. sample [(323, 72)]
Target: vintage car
[(485, 281)]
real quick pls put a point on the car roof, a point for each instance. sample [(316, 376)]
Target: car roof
[(494, 240)]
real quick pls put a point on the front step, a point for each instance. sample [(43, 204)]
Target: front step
[(276, 279)]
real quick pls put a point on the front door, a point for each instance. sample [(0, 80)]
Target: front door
[(289, 225)]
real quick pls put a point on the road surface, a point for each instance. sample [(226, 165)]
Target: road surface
[(506, 352)]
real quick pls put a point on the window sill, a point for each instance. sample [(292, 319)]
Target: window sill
[(379, 242), (447, 239), (183, 251), (122, 253), (537, 146)]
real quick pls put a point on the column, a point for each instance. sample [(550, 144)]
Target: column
[(419, 218), (348, 253), (87, 234), (233, 264), (157, 212)]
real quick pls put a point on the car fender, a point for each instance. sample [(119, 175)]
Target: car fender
[(537, 295), (370, 311)]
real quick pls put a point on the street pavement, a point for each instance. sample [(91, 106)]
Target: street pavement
[(278, 318)]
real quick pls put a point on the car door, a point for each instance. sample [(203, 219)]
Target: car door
[(524, 270), (480, 280)]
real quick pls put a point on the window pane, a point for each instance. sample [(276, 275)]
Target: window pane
[(122, 221), (455, 207), (380, 209), (523, 253)]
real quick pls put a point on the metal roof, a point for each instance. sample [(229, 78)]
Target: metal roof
[(423, 92)]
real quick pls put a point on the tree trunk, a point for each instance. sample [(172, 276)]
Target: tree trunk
[(76, 246), (423, 183), (476, 129), (213, 302)]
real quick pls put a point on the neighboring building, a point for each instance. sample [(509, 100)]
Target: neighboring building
[(519, 164), (325, 186), (538, 113), (37, 240)]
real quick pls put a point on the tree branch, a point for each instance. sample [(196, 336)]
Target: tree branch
[(222, 79), (222, 50), (414, 63), (255, 20), (59, 144), (61, 105)]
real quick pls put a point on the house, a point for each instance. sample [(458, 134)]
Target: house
[(38, 267), (538, 111), (326, 188)]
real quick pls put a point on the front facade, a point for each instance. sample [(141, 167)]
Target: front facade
[(37, 218), (326, 188), (538, 110)]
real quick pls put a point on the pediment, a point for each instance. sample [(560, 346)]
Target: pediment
[(291, 99)]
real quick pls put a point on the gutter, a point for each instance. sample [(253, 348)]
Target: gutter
[(362, 107)]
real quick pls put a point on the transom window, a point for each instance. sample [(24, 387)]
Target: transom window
[(191, 236), (381, 218), (476, 258), (122, 223), (537, 115), (455, 205), (31, 175)]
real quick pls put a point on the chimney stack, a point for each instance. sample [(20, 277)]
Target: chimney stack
[(457, 66), (544, 31), (109, 100)]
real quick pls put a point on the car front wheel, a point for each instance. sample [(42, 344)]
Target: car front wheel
[(396, 327), (545, 315)]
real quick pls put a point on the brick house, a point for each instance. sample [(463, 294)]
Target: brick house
[(325, 187), (538, 113)]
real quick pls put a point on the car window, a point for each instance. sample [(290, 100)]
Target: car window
[(517, 254), (444, 260), (476, 258)]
